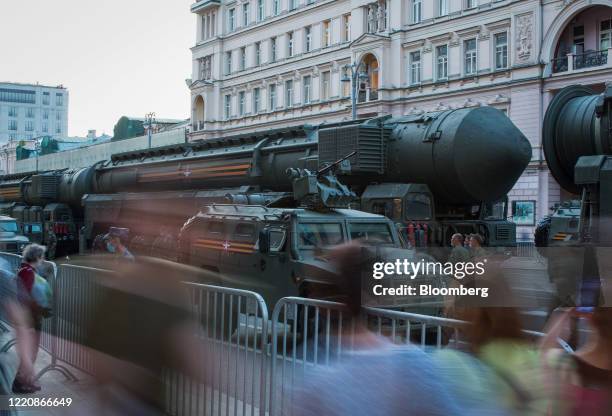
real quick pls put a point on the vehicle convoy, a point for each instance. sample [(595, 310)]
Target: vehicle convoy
[(433, 175), (577, 141)]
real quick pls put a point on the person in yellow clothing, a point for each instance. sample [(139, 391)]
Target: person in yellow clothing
[(500, 364)]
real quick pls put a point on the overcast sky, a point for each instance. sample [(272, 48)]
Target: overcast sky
[(116, 57)]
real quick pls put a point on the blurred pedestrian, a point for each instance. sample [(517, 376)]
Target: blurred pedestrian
[(114, 243), (459, 254), (581, 381), (31, 295), (507, 366), (376, 378), (140, 328)]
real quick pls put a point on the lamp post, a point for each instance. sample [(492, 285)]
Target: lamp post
[(356, 74), (37, 148), (149, 120)]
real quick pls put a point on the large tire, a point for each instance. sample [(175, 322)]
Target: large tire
[(541, 233)]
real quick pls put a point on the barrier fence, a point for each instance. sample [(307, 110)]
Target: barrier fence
[(231, 339), (249, 363)]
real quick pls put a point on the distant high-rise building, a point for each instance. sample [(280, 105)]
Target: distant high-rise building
[(28, 111)]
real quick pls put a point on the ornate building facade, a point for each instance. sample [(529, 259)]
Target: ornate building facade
[(262, 64)]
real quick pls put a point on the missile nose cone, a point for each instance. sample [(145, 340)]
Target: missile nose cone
[(491, 153)]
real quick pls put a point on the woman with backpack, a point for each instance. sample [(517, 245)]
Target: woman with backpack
[(33, 293)]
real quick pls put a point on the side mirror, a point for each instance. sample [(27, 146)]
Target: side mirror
[(264, 241)]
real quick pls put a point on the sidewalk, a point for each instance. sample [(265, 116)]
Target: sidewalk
[(54, 385)]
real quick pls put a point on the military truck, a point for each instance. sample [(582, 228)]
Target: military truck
[(11, 241), (450, 171), (277, 251)]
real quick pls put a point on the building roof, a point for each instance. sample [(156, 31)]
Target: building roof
[(24, 84)]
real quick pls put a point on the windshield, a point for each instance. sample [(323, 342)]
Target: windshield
[(8, 226), (311, 235), (371, 233)]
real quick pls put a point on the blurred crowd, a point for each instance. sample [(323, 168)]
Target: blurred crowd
[(142, 326)]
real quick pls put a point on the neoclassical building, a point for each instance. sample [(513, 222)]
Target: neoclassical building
[(262, 64)]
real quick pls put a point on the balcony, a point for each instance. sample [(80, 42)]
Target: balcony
[(202, 5), (198, 126), (576, 62)]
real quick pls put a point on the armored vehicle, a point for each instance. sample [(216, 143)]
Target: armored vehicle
[(577, 141), (277, 251), (11, 241), (434, 174)]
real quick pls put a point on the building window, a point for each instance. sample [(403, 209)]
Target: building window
[(469, 48), (415, 67), (58, 129), (29, 125), (289, 93), (307, 38), (12, 112), (59, 99), (228, 63), (231, 20), (292, 4), (325, 85), (290, 44), (471, 4), (441, 62), (260, 10), (578, 40), (246, 10), (58, 116), (45, 127), (272, 97), (30, 113), (256, 100), (605, 35), (442, 7), (46, 98), (45, 114), (326, 33), (273, 50), (227, 106), (306, 89), (416, 11), (346, 28), (243, 58), (501, 50), (241, 103), (258, 53), (12, 125), (10, 95), (275, 7)]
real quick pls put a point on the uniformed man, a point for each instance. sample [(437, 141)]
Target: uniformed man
[(476, 250), (458, 254)]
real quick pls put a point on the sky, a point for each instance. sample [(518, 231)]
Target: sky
[(116, 57)]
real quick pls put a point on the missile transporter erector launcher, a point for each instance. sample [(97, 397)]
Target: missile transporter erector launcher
[(433, 174)]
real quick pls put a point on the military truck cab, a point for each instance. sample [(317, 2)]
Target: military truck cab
[(276, 251), (422, 222), (11, 241)]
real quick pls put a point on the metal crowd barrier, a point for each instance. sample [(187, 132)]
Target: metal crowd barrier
[(526, 249), (231, 341), (306, 333)]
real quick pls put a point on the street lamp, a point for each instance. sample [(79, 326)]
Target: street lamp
[(37, 146), (357, 74), (149, 120)]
